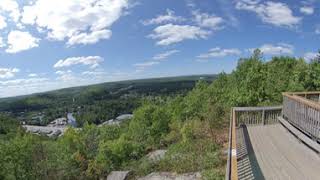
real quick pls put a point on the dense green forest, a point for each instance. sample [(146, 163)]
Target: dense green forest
[(191, 126), (95, 103)]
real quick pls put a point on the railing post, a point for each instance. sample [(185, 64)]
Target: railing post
[(263, 117)]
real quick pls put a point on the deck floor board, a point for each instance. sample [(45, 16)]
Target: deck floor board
[(280, 155)]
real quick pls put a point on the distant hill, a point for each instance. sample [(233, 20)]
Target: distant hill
[(111, 85), (99, 102)]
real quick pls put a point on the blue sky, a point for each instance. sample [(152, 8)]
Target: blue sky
[(47, 44)]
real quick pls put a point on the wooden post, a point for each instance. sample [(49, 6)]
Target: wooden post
[(234, 163), (263, 117)]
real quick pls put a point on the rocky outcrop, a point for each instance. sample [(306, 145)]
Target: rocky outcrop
[(171, 176), (156, 155), (118, 120), (45, 131), (118, 175)]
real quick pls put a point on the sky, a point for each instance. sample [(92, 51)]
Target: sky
[(46, 44)]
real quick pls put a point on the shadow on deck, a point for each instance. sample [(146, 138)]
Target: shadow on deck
[(276, 142), (248, 167)]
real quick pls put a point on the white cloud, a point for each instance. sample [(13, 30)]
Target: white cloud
[(6, 73), (63, 72), (201, 26), (308, 10), (166, 18), (191, 4), (146, 64), (21, 82), (60, 72), (65, 79), (11, 7), (33, 75), (2, 43), (219, 52), (78, 21), (317, 31), (24, 86), (310, 55), (21, 41), (3, 22), (66, 76), (92, 38), (277, 49), (142, 66), (208, 21), (165, 55), (92, 61), (275, 13), (93, 73), (156, 59), (170, 34)]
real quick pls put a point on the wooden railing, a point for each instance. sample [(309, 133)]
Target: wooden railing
[(314, 96), (248, 116), (232, 165), (257, 115), (303, 112)]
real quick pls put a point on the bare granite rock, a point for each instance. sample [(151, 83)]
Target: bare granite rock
[(118, 175), (156, 155), (172, 176), (45, 130)]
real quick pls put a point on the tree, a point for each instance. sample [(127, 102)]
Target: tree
[(257, 54), (317, 58)]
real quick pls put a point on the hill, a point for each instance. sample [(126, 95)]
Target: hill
[(95, 103), (190, 126)]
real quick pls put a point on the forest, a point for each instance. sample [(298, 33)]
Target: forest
[(95, 103), (192, 126)]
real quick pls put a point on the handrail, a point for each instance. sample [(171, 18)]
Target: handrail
[(303, 113), (257, 108), (228, 169), (232, 165), (257, 115), (302, 93), (300, 99)]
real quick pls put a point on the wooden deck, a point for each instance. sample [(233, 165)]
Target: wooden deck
[(274, 153), (277, 142)]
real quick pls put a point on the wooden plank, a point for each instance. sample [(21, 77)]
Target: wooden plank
[(303, 93), (303, 100), (305, 139), (245, 165), (238, 109), (280, 155), (228, 169)]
